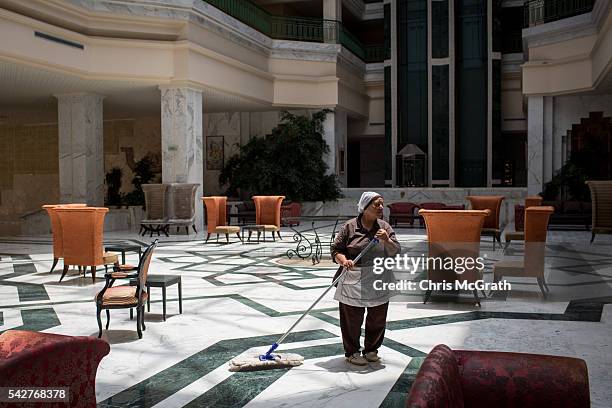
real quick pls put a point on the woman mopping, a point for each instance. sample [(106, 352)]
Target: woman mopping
[(355, 290)]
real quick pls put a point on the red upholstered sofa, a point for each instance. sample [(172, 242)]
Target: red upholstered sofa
[(473, 379), (33, 359)]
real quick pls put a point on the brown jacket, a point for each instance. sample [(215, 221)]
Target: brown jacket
[(353, 237)]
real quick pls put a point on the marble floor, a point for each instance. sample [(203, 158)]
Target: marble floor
[(239, 298)]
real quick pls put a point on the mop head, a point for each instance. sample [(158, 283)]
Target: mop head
[(253, 362)]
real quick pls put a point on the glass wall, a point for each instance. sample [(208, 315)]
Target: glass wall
[(471, 93), (412, 73)]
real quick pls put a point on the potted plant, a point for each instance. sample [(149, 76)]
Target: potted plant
[(288, 161)]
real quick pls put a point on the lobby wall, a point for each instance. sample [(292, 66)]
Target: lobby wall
[(29, 166)]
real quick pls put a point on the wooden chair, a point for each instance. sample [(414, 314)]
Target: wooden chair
[(601, 204), (216, 218), (519, 219), (267, 213), (536, 228), (491, 223), (126, 296), (82, 238), (56, 230), (453, 234)]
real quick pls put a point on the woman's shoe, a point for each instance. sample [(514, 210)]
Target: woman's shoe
[(357, 359), (372, 356)]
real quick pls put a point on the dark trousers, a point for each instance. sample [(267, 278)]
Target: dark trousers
[(351, 319)]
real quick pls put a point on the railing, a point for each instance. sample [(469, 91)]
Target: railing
[(249, 13), (302, 29), (544, 11), (298, 28)]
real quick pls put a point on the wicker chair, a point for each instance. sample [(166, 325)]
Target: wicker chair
[(126, 296), (56, 230), (601, 201), (536, 228), (216, 220), (519, 219), (82, 238), (491, 223), (453, 234), (181, 205), (267, 213), (155, 202)]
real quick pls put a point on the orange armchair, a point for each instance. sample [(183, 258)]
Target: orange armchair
[(519, 219), (268, 213), (536, 229), (216, 218), (491, 223), (83, 234), (56, 230), (453, 234)]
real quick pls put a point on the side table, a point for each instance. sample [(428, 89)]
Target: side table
[(123, 248), (162, 281)]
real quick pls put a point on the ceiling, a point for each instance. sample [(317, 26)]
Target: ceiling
[(25, 87)]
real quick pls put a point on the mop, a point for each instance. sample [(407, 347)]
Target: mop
[(272, 360)]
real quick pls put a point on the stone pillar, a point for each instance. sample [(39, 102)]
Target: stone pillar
[(81, 148), (329, 135), (535, 144), (182, 146), (340, 137)]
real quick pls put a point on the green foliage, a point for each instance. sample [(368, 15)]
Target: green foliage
[(288, 162), (144, 175), (113, 185), (568, 184)]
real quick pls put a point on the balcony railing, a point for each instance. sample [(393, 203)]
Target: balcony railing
[(544, 11), (298, 28)]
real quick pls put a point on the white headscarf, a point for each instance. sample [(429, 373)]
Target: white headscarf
[(366, 198)]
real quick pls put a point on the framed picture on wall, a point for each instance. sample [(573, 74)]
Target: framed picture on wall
[(214, 152)]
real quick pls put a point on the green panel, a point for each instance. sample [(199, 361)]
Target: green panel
[(497, 26), (498, 151), (439, 126), (471, 93), (387, 30), (388, 141), (412, 73), (439, 28)]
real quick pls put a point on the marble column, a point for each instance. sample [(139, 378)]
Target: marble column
[(182, 144), (340, 136), (329, 135), (81, 148), (535, 144), (547, 153)]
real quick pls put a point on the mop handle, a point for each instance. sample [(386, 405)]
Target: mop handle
[(373, 242)]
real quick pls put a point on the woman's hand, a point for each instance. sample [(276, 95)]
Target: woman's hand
[(382, 235), (348, 264)]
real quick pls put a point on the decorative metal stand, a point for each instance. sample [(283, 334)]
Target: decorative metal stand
[(307, 248)]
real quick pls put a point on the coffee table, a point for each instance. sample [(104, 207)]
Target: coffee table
[(123, 248), (162, 281)]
